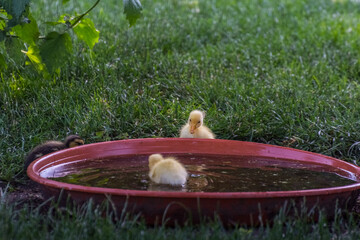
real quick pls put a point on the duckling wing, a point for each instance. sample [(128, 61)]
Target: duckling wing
[(205, 132)]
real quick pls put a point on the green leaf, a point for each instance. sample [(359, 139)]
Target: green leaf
[(53, 23), (86, 31), (2, 36), (33, 54), (65, 1), (28, 32), (13, 48), (132, 10), (63, 19), (2, 24), (55, 50), (2, 62), (3, 15), (15, 8)]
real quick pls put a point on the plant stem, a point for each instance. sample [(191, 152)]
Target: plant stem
[(84, 14), (14, 36)]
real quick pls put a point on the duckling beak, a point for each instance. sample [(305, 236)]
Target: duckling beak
[(192, 129)]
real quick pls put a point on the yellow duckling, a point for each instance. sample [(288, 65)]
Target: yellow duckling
[(166, 170), (52, 146), (195, 128)]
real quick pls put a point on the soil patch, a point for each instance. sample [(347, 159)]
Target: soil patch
[(27, 192)]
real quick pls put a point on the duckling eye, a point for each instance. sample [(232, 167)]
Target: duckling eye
[(198, 121), (190, 120)]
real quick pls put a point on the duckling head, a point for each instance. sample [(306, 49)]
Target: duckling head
[(196, 119), (154, 158), (73, 141)]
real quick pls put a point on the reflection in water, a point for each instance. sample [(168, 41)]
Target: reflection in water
[(206, 174)]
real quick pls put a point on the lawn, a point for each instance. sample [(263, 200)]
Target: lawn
[(282, 72)]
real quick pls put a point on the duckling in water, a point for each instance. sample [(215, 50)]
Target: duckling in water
[(166, 170), (195, 128), (52, 146)]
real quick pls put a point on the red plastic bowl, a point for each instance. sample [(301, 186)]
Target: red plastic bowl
[(231, 207)]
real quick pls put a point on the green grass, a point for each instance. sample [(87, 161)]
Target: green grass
[(90, 222), (264, 70)]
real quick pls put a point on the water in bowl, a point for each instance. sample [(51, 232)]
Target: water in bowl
[(207, 173)]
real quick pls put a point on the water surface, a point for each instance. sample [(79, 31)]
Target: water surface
[(211, 173)]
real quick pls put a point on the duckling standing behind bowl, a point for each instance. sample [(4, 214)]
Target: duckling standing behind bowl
[(52, 146), (166, 170), (195, 128)]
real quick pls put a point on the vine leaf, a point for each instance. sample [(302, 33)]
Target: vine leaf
[(33, 54), (13, 48), (2, 35), (55, 49), (15, 9), (132, 10), (28, 32), (63, 19), (86, 31), (2, 62), (2, 23)]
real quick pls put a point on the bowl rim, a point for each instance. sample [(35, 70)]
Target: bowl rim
[(35, 168)]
